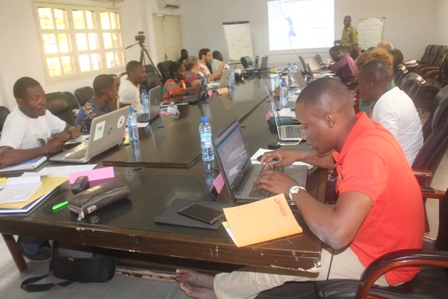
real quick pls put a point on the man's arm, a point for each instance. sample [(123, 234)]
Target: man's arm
[(285, 157), (217, 73)]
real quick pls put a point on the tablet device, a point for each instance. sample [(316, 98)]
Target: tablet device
[(201, 213)]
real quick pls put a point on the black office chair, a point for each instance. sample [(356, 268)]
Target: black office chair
[(84, 94), (399, 72), (58, 104), (440, 100), (164, 70), (71, 100), (3, 114), (412, 84)]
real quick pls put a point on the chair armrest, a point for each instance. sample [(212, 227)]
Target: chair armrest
[(397, 259), (422, 173), (429, 73), (437, 194)]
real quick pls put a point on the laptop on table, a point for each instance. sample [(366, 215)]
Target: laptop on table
[(155, 98), (237, 170), (286, 133), (314, 64), (264, 63), (106, 131)]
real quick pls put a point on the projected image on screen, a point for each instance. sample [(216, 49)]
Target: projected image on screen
[(299, 24)]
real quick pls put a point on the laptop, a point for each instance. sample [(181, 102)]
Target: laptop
[(264, 63), (155, 98), (195, 99), (106, 131), (286, 133), (314, 64), (319, 59), (300, 80), (237, 170)]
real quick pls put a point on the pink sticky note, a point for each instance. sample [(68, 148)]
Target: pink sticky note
[(163, 112), (218, 183), (96, 176), (209, 93), (269, 115)]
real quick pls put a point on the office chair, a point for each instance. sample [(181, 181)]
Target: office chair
[(164, 70), (84, 94), (399, 71), (58, 104), (441, 96), (411, 84), (3, 114)]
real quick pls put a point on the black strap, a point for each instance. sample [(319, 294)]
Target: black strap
[(28, 285)]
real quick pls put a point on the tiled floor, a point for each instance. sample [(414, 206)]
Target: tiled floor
[(128, 287)]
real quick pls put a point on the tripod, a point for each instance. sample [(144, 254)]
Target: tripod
[(143, 51)]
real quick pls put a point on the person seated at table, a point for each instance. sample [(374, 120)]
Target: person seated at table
[(205, 58), (129, 92), (175, 87), (393, 108), (355, 51), (104, 100), (217, 61), (379, 209), (376, 54), (344, 66), (183, 55), (31, 131), (192, 68)]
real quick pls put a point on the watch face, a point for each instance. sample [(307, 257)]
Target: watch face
[(294, 189)]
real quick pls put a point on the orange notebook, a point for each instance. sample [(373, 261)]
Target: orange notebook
[(261, 221)]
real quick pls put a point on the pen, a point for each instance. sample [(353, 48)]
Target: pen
[(60, 205)]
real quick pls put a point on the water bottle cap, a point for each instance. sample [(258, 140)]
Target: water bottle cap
[(143, 90), (283, 80), (131, 109), (204, 119)]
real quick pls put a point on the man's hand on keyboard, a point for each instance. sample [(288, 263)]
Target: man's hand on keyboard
[(275, 182), (279, 158)]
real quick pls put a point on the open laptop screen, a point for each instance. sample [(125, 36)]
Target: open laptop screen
[(230, 148)]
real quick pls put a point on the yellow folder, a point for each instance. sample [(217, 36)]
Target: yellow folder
[(49, 183), (261, 221)]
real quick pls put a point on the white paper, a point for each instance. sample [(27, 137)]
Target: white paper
[(19, 189), (61, 171)]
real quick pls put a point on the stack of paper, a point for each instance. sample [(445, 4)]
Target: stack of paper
[(261, 221), (47, 185)]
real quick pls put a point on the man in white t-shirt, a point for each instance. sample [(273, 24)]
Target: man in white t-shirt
[(205, 58), (217, 61), (394, 109), (30, 131), (129, 92)]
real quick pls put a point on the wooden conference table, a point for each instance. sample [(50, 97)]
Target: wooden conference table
[(166, 165)]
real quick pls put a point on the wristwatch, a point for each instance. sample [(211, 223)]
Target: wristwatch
[(294, 190), (69, 132)]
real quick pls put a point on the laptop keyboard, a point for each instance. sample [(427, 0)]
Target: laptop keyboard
[(264, 193), (293, 132), (77, 155)]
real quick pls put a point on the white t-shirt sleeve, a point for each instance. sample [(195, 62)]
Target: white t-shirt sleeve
[(12, 133)]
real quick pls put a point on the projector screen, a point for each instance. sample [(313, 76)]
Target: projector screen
[(300, 24)]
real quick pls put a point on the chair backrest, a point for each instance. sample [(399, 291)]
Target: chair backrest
[(72, 102), (399, 72), (434, 54), (164, 70), (426, 55), (58, 104), (3, 114), (439, 101), (412, 84), (152, 80), (84, 94), (440, 56)]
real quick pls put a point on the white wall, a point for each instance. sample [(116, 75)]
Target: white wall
[(410, 25), (441, 25)]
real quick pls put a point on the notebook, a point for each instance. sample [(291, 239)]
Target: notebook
[(237, 170), (106, 131), (155, 98)]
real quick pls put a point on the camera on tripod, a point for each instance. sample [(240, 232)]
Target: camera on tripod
[(140, 37)]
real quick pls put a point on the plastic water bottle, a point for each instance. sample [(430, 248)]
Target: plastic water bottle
[(231, 81), (132, 125), (283, 95), (145, 101), (205, 130), (289, 74), (295, 68)]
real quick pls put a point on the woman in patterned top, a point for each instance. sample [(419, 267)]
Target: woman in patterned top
[(104, 100), (175, 86)]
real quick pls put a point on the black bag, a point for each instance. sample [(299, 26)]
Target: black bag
[(74, 263)]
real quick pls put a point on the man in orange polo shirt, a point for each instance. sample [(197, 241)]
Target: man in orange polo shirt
[(379, 209)]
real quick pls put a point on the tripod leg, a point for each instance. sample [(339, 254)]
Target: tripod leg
[(142, 57), (152, 63)]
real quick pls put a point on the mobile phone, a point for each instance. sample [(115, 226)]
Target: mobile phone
[(201, 213)]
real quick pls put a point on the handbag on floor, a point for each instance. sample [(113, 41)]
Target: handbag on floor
[(75, 263)]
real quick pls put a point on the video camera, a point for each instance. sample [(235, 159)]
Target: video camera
[(140, 37)]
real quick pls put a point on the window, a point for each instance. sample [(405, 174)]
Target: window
[(79, 41)]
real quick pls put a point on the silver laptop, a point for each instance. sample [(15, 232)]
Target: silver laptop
[(225, 77), (314, 64), (287, 133), (155, 98), (300, 80), (106, 131), (264, 63), (237, 170)]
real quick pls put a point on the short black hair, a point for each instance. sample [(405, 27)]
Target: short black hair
[(335, 49), (377, 71), (174, 66), (216, 54), (21, 85), (203, 52), (326, 92), (102, 83), (132, 65)]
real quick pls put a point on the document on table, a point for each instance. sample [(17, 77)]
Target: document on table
[(61, 171), (19, 189)]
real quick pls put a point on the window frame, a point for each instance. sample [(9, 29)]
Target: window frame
[(73, 51)]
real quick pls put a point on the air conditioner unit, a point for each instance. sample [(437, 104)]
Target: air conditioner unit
[(169, 3)]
